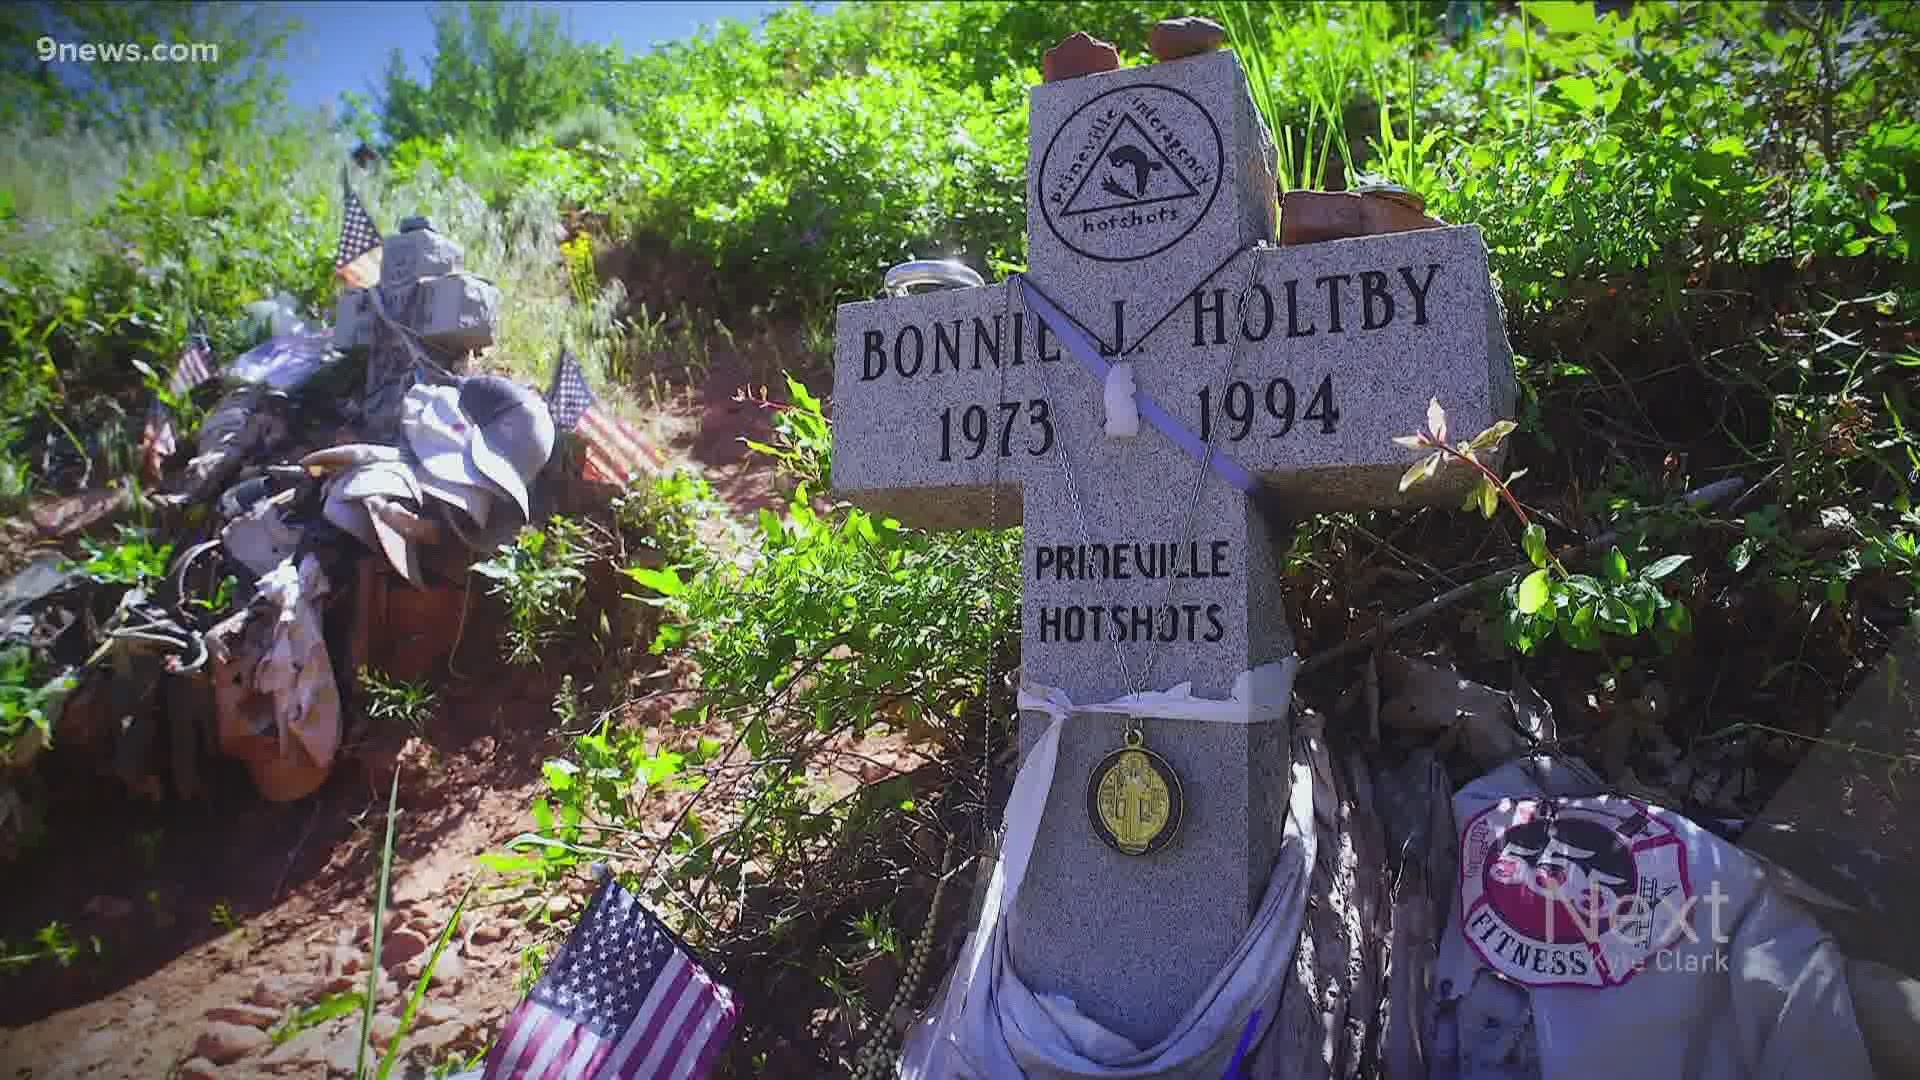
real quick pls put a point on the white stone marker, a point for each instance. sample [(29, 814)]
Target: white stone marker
[(1150, 197)]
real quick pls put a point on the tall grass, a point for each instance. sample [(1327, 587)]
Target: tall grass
[(370, 1003), (420, 985), (518, 248), (379, 929), (1304, 70), (60, 178)]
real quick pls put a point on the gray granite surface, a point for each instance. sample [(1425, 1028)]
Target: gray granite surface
[(1151, 197)]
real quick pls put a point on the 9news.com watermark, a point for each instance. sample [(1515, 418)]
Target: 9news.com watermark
[(51, 51)]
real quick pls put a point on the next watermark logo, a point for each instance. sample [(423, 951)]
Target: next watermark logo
[(51, 51), (1585, 892)]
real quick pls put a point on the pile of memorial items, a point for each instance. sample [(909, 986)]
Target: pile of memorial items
[(322, 521)]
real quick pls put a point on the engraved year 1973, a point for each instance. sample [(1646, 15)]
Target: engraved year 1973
[(974, 428)]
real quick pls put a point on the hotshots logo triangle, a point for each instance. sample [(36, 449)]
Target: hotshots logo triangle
[(1131, 171)]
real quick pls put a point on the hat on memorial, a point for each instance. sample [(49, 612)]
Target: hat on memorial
[(514, 434), (347, 508), (484, 431)]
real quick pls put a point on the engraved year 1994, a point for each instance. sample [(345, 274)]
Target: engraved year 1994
[(1282, 402)]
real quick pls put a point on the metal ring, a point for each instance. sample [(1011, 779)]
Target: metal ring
[(933, 274)]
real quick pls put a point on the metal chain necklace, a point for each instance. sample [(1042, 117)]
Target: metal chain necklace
[(1234, 354), (1073, 492), (985, 825), (1134, 797)]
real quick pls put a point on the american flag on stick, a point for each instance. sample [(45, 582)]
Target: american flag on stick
[(615, 452), (623, 1000), (356, 262), (158, 441)]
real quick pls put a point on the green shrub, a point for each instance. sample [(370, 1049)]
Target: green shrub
[(108, 252), (27, 692), (1677, 138), (539, 577), (397, 701), (133, 559), (666, 514), (837, 622)]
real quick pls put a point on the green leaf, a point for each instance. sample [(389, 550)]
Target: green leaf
[(1583, 93), (1644, 598), (1679, 619), (1489, 499), (800, 395), (1521, 631), (1420, 471), (1534, 541), (1664, 567), (1741, 555), (1491, 437), (1580, 628), (1616, 616), (661, 767), (1728, 146), (665, 580), (1616, 565), (559, 774), (1534, 592), (1564, 16)]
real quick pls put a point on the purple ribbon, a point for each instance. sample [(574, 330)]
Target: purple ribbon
[(1081, 349), (1236, 1069)]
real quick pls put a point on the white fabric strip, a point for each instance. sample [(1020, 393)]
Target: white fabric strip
[(991, 1025), (1259, 696)]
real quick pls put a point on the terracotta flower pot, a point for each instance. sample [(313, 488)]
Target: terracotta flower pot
[(1309, 217)]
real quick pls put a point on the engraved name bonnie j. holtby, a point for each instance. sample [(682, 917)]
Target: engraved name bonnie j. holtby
[(1130, 173)]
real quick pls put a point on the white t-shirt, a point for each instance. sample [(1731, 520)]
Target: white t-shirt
[(1594, 935)]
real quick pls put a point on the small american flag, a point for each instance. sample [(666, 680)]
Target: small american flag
[(615, 452), (623, 1000), (158, 441), (357, 260)]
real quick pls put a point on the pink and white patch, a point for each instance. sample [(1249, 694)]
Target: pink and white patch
[(1572, 892)]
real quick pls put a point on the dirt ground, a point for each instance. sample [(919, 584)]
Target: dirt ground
[(204, 925), (240, 910)]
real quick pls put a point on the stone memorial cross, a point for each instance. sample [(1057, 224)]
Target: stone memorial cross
[(1151, 207)]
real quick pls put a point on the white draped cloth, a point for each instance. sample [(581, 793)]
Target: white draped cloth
[(990, 1024)]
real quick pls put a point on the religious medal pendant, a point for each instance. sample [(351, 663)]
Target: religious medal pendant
[(1134, 798)]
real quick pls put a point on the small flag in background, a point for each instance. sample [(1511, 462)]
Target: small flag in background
[(623, 1000), (158, 441), (615, 452), (357, 260)]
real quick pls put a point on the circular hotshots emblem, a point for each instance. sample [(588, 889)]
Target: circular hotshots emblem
[(1130, 173), (1571, 892)]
